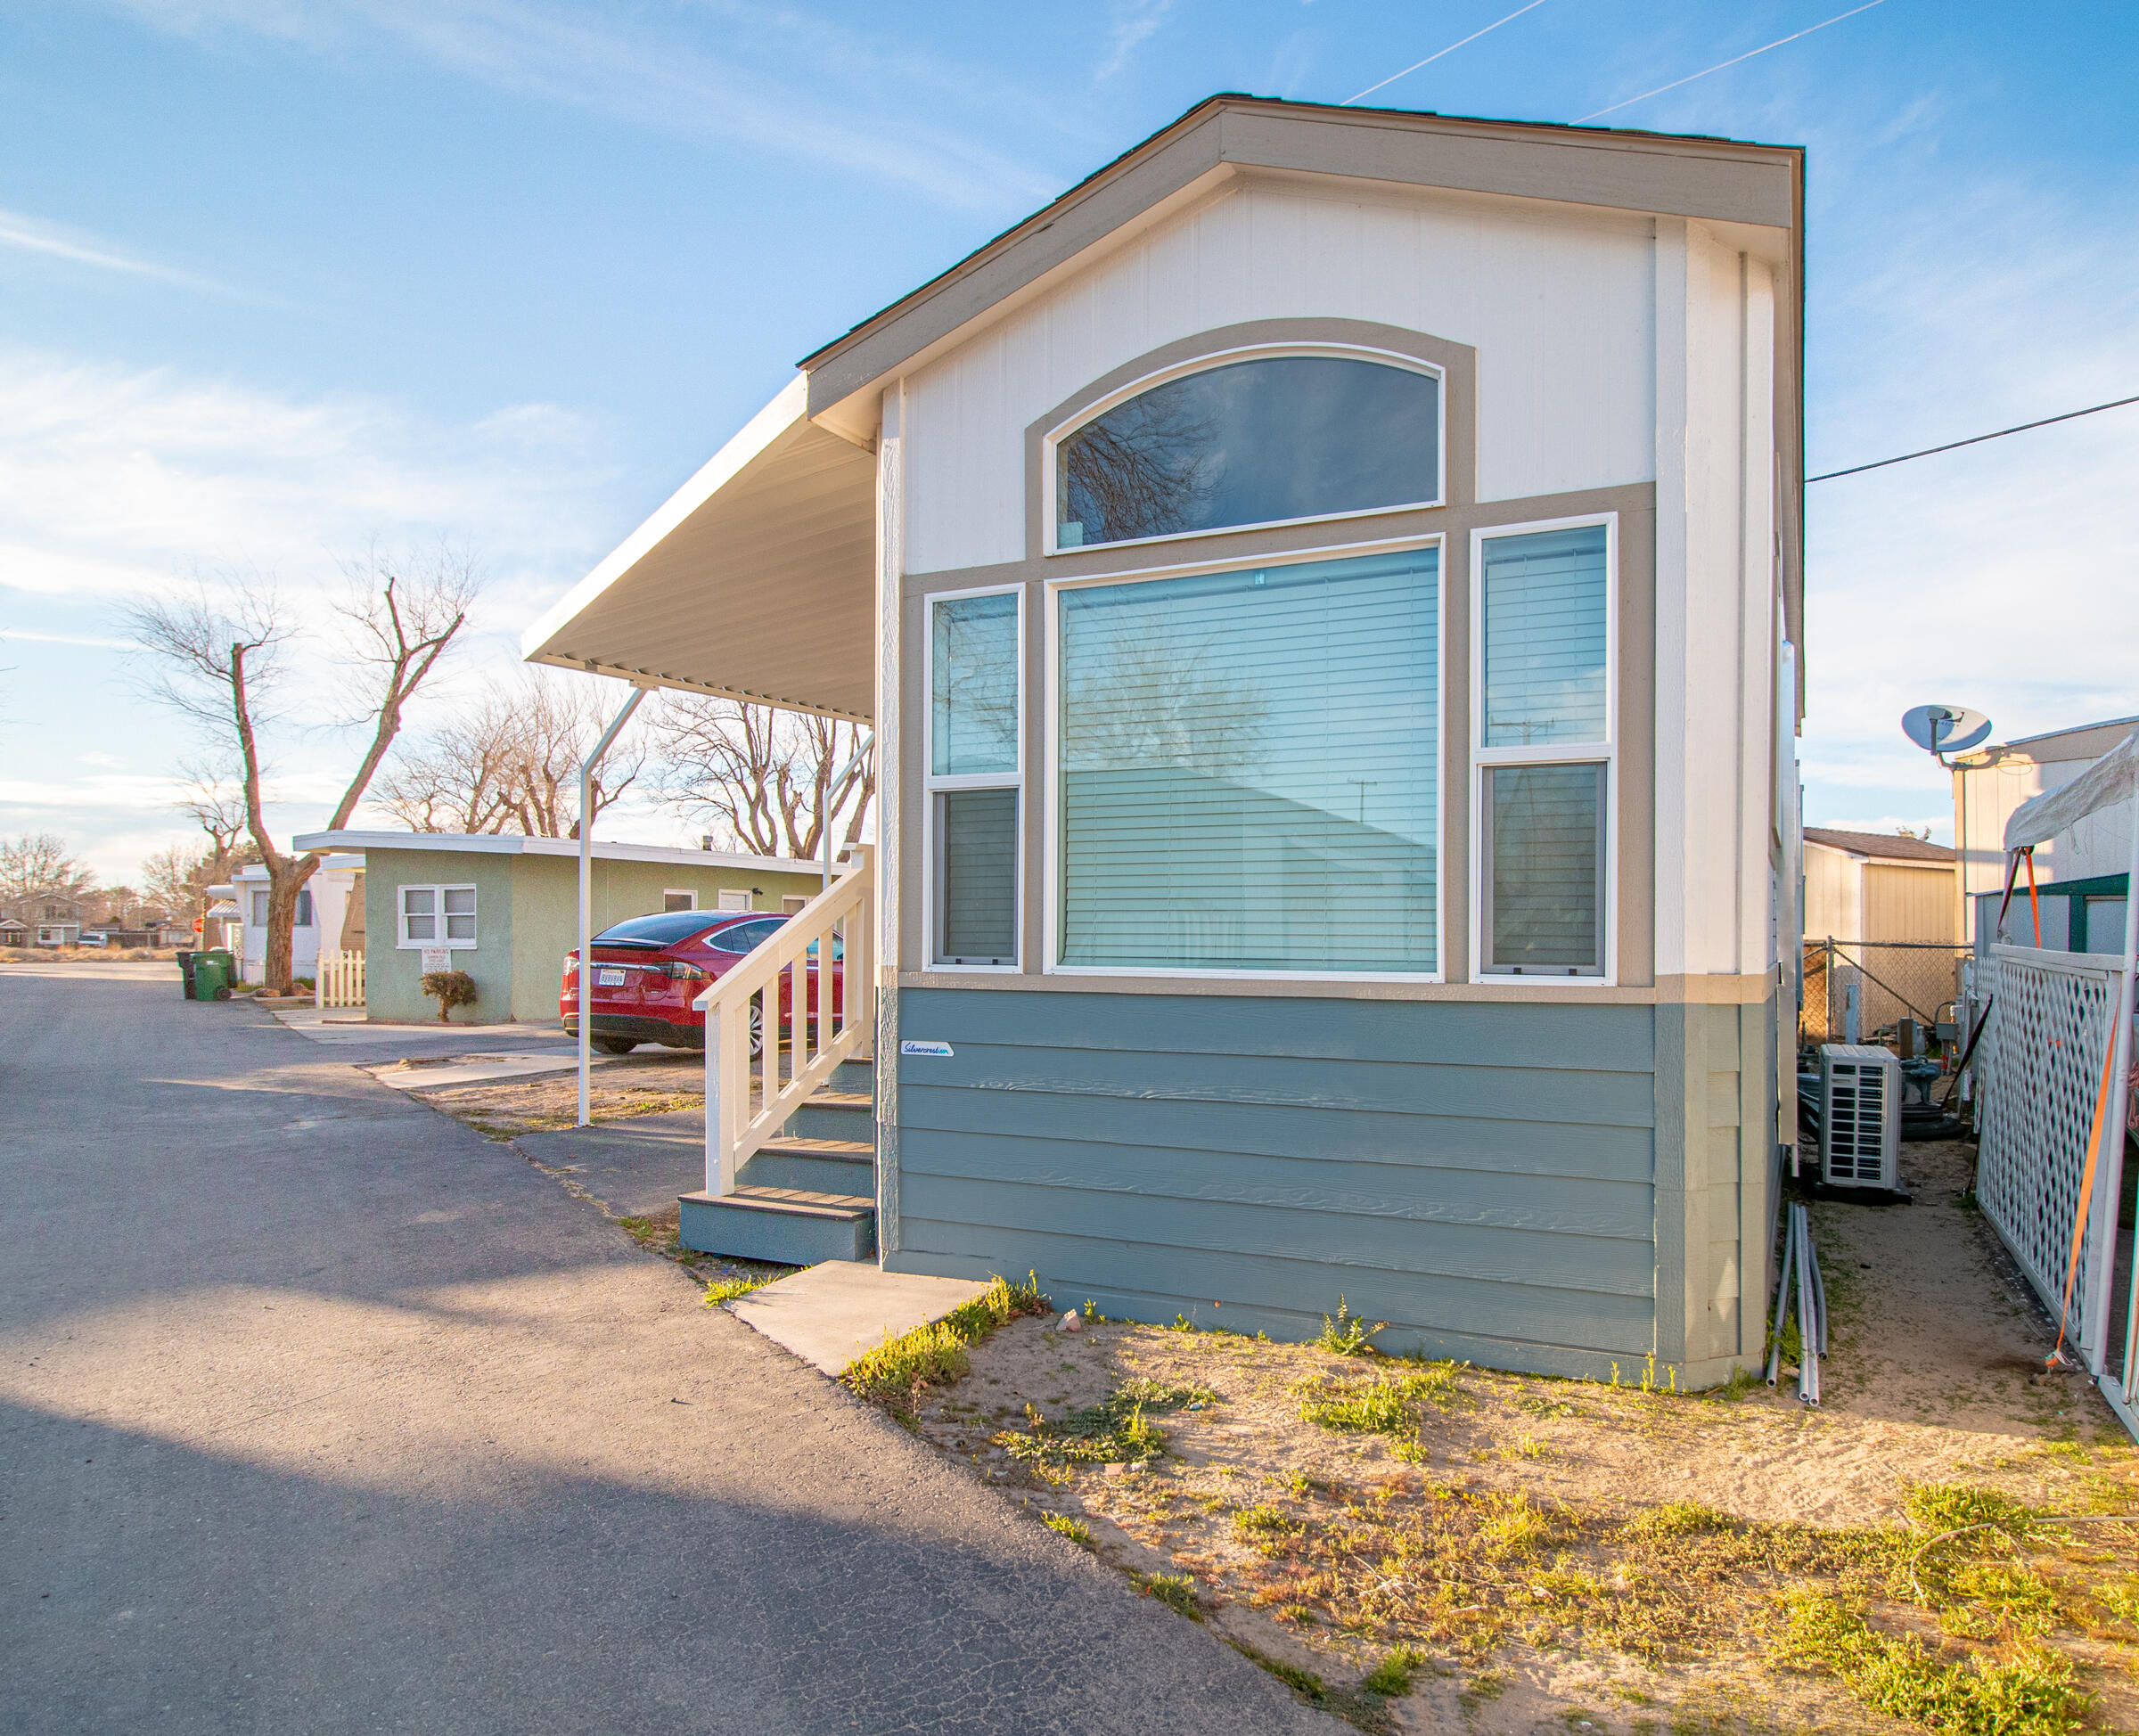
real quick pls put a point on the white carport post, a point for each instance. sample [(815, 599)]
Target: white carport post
[(586, 898)]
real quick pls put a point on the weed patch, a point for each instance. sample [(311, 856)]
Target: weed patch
[(2031, 1692), (1075, 1530), (1386, 1404), (936, 1355), (1176, 1590), (727, 1289), (1348, 1334), (1114, 1432)]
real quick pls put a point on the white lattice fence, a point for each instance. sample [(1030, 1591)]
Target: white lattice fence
[(2046, 1046), (340, 979)]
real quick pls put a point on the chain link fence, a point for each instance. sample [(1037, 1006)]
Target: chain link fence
[(1892, 980)]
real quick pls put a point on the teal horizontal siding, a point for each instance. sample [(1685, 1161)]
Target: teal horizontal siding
[(1612, 1039), (1505, 1146), (1524, 1091), (1480, 1176), (1410, 1193), (1419, 1308)]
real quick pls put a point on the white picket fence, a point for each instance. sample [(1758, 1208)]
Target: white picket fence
[(340, 979), (2051, 1026)]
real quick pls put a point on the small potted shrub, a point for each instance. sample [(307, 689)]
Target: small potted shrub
[(449, 989)]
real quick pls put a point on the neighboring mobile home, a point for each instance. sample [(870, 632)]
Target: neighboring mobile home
[(505, 908), (1325, 590), (1879, 886)]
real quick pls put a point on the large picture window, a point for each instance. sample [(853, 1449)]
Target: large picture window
[(975, 779), (1261, 440), (1543, 727), (1248, 770)]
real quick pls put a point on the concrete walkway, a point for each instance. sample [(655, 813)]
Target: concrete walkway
[(828, 1314), (323, 1413)]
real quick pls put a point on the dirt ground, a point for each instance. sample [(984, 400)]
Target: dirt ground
[(645, 1082), (1570, 1555)]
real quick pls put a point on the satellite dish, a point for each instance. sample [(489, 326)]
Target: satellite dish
[(1944, 729)]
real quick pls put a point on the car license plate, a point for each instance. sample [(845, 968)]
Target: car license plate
[(609, 979)]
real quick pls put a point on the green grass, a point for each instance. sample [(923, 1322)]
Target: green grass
[(1388, 1405), (935, 1354), (727, 1289), (2029, 1692), (1348, 1334), (1075, 1530), (1306, 1684), (1677, 1519), (1937, 1507), (1393, 1676), (1176, 1590), (1116, 1431)]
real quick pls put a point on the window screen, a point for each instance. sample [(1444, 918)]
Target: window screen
[(304, 909), (259, 910), (1250, 769), (1545, 637), (1545, 869), (419, 912), (460, 912), (976, 874)]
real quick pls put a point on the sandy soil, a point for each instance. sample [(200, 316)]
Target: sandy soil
[(1936, 1376), (646, 1082)]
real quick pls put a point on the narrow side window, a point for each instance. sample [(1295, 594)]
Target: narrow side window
[(1545, 752), (975, 779)]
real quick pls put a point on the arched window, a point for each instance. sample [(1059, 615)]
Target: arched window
[(1259, 440)]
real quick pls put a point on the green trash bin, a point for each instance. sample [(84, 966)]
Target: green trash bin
[(222, 956), (185, 976), (209, 983)]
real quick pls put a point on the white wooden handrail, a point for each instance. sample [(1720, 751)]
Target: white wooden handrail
[(837, 921)]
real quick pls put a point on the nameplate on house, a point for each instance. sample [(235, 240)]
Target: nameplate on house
[(912, 1047), (436, 958)]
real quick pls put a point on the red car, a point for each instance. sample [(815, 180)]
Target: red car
[(649, 970)]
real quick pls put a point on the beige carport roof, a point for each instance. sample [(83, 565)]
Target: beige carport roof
[(755, 581)]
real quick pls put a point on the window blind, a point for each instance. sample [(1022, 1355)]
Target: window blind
[(1545, 859), (974, 681), (1250, 769), (1545, 637), (977, 868)]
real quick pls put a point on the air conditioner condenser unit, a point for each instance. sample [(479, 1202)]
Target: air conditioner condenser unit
[(1860, 1120)]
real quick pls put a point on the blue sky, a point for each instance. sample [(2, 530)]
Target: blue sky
[(281, 281)]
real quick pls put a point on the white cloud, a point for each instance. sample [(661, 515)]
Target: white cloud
[(593, 60), (114, 482), (1133, 24), (29, 234)]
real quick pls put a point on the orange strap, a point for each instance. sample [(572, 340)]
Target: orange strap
[(2086, 1189), (2035, 904)]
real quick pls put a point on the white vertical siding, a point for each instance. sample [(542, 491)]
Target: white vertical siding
[(1559, 309), (1716, 589)]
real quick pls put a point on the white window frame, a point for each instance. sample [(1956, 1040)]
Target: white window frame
[(668, 892), (440, 889), (1049, 442), (722, 907), (1604, 752), (932, 786), (1052, 680)]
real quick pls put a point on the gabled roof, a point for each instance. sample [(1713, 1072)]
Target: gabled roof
[(1892, 847), (1678, 174)]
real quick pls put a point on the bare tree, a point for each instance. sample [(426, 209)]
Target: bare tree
[(509, 762), (177, 880), (37, 866), (218, 665), (215, 802), (776, 780)]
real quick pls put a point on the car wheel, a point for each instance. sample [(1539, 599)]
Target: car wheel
[(615, 1046), (757, 1030)]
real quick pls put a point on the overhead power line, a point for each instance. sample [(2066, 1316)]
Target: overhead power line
[(1720, 65), (1451, 49), (1974, 439)]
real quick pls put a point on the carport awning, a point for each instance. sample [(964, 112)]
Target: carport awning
[(756, 581)]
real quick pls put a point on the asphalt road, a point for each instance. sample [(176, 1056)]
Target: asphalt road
[(323, 1413)]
